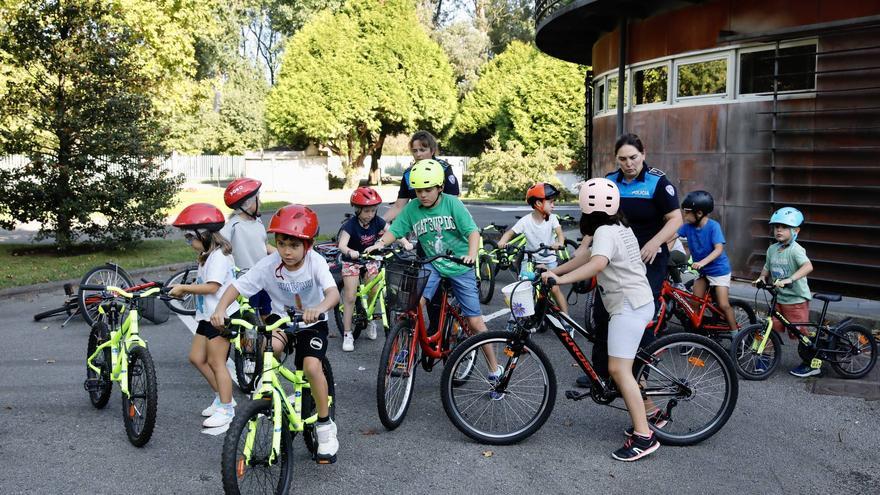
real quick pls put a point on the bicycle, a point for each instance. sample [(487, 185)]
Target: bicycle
[(849, 348), (185, 305), (108, 274), (117, 353), (258, 448), (369, 297), (509, 258), (696, 393), (246, 345), (408, 343)]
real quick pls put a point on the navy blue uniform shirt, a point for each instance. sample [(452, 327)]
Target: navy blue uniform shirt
[(645, 200), (450, 182)]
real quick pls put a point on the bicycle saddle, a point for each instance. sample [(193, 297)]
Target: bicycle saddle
[(829, 297)]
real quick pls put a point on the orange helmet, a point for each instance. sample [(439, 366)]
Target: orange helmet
[(540, 191), (296, 221), (239, 190), (365, 196), (198, 216)]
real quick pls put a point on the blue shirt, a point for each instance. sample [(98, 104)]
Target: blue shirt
[(645, 201), (701, 242), (361, 238)]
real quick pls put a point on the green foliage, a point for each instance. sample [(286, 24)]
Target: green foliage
[(509, 21), (702, 78), (527, 97), (351, 77), (81, 110), (508, 173)]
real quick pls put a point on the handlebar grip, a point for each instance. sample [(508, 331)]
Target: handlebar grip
[(551, 282), (93, 287)]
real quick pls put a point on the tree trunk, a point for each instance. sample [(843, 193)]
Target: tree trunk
[(375, 177)]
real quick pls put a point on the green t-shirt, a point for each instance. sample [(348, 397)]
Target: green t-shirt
[(442, 228), (782, 263)]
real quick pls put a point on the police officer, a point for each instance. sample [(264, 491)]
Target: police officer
[(423, 146)]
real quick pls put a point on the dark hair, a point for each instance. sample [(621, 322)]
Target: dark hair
[(279, 237), (425, 137), (215, 241), (589, 223), (629, 139)]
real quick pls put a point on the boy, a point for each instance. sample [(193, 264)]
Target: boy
[(296, 276), (442, 224), (789, 266)]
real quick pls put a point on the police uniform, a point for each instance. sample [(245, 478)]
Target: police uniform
[(450, 182)]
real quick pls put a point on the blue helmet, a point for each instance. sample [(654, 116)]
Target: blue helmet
[(788, 216)]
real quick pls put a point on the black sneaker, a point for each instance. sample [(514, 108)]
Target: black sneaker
[(657, 419), (636, 447)]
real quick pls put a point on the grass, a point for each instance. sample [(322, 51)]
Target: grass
[(28, 264)]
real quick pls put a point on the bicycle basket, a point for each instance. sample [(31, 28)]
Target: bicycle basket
[(153, 309), (404, 285)]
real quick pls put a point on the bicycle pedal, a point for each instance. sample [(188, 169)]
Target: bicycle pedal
[(576, 395)]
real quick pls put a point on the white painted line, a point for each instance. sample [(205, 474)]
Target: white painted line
[(191, 324), (500, 312)]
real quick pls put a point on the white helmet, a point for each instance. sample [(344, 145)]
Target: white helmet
[(599, 195)]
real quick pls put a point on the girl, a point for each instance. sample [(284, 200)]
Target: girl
[(616, 261), (202, 223)]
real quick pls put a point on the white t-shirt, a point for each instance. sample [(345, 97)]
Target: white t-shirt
[(303, 288), (218, 268), (624, 277), (537, 234), (248, 238)]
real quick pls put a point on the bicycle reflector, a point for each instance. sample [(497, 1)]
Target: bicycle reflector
[(697, 362)]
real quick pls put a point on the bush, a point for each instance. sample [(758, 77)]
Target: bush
[(508, 173)]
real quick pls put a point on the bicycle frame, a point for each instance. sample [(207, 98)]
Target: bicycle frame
[(433, 345), (685, 301), (369, 298)]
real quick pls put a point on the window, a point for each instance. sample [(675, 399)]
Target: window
[(797, 67), (650, 85), (704, 78), (612, 93), (599, 97)]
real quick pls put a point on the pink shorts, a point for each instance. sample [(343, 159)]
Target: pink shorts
[(794, 313), (354, 269)]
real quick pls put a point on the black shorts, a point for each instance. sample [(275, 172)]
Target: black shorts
[(205, 328), (308, 342)]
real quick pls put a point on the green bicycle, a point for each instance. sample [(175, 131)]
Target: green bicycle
[(117, 353), (258, 448), (369, 298), (246, 347), (491, 261)]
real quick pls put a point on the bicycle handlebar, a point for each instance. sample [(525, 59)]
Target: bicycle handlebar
[(156, 290), (294, 318), (412, 258)]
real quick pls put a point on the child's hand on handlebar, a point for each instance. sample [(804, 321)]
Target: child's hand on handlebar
[(758, 281), (556, 246), (546, 276), (374, 247), (311, 315), (502, 245), (177, 290), (782, 282), (469, 260), (407, 246), (218, 320), (352, 254), (696, 265)]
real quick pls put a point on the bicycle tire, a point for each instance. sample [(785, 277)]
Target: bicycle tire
[(186, 306), (486, 282), (454, 334), (101, 394), (359, 320), (400, 345), (251, 343), (589, 320), (66, 309), (569, 243), (537, 373), (106, 274), (309, 408), (140, 364), (858, 342), (238, 476), (745, 316), (712, 386), (745, 360)]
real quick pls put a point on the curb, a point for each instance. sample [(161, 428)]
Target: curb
[(47, 286)]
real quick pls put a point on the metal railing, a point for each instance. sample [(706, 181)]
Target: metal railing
[(543, 8)]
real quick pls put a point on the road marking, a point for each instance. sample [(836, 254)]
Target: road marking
[(500, 312), (191, 324)]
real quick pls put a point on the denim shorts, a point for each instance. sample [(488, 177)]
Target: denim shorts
[(464, 288)]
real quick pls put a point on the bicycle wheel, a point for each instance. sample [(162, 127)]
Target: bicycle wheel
[(187, 304), (697, 390), (486, 280), (359, 320), (309, 408), (589, 321), (253, 472), (744, 348), (527, 400), (139, 407), (856, 351), (248, 360), (89, 300), (397, 371), (454, 334), (99, 385)]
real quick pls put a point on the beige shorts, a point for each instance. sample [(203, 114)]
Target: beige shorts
[(719, 281)]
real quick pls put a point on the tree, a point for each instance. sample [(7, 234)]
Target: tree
[(81, 110), (508, 21), (351, 78)]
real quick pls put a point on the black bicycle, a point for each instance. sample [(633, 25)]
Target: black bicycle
[(695, 390)]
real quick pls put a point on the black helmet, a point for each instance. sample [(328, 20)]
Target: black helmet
[(699, 201)]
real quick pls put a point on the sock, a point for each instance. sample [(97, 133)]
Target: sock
[(323, 420), (228, 406)]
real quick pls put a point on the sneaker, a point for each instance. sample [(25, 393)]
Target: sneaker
[(371, 329), (805, 370), (760, 365), (636, 447), (222, 416), (583, 381), (494, 378), (210, 410), (657, 419), (348, 342), (327, 442)]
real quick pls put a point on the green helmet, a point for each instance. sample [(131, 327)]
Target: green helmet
[(426, 173)]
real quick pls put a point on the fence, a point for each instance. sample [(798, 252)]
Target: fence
[(193, 168)]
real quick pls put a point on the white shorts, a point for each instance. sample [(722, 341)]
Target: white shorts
[(719, 281), (625, 330)]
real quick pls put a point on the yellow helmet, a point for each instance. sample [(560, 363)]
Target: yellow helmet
[(426, 173)]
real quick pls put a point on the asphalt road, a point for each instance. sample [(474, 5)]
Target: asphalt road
[(780, 439)]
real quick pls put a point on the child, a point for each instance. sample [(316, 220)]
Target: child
[(441, 223), (789, 266), (246, 232), (706, 243), (357, 234), (296, 276), (541, 227), (616, 262), (202, 223)]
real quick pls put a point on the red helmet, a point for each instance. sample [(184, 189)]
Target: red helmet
[(296, 221), (541, 190), (239, 190), (198, 216), (365, 196)]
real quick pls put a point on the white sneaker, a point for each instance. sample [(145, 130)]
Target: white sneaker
[(348, 342), (210, 410), (221, 417), (327, 443), (371, 329)]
